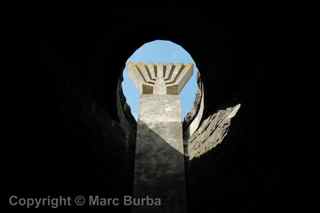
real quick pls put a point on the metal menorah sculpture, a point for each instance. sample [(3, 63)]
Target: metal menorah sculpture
[(159, 157)]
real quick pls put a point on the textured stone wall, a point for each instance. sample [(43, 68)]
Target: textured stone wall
[(192, 120), (211, 132), (159, 154), (159, 160)]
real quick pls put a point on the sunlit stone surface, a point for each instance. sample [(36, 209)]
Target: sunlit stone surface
[(159, 157)]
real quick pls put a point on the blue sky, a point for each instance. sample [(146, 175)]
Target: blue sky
[(160, 51)]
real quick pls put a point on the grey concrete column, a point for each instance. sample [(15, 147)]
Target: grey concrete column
[(159, 173)]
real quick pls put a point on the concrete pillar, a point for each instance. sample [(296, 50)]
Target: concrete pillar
[(159, 172)]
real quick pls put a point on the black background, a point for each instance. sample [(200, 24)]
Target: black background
[(61, 150)]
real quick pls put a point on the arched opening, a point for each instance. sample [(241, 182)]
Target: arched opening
[(161, 51)]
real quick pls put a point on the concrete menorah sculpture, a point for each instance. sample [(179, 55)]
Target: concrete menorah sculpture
[(159, 157)]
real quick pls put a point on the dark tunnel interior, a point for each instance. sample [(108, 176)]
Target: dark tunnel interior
[(72, 139)]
